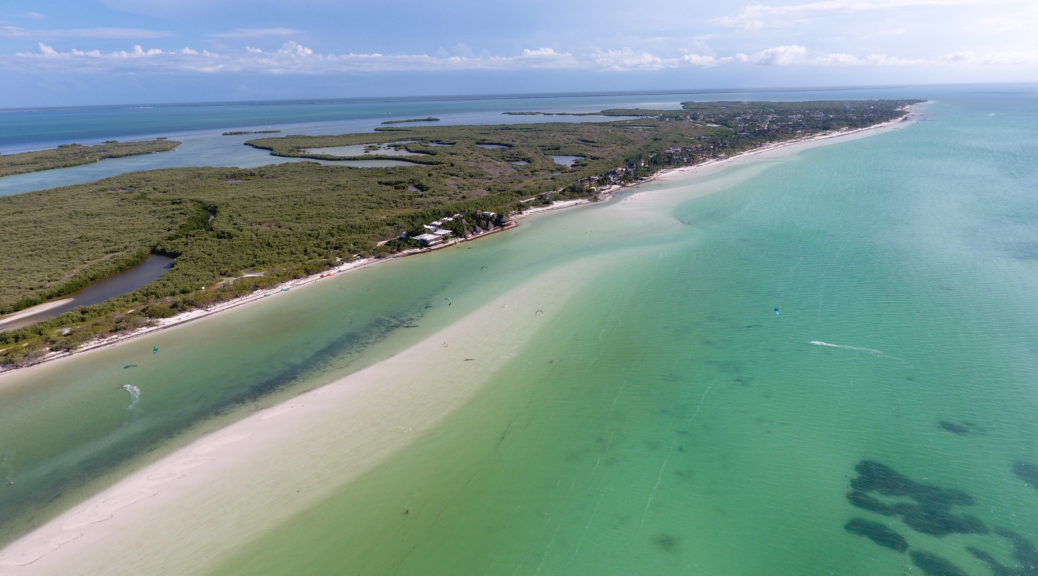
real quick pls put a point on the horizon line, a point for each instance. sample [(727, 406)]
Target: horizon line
[(500, 96)]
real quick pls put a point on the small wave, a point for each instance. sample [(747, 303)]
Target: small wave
[(872, 351)]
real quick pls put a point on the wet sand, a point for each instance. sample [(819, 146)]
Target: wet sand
[(197, 504)]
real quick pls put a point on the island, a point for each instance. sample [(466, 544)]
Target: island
[(68, 155), (249, 132), (412, 120), (232, 232)]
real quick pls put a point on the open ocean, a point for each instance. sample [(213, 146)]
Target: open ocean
[(819, 364)]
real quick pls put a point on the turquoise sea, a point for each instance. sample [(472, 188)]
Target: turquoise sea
[(820, 364)]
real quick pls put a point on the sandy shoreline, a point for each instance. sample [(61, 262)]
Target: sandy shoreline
[(321, 440), (347, 428), (12, 318), (708, 166)]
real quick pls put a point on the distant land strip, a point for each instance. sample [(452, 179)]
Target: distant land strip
[(411, 120), (245, 132), (68, 155), (233, 231)]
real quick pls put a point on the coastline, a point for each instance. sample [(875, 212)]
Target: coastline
[(603, 196), (13, 318), (321, 441), (359, 418)]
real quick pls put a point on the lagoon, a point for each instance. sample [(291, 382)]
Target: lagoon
[(200, 126), (387, 149), (152, 268), (566, 161)]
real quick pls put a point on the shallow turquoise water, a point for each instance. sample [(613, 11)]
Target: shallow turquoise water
[(668, 421), (672, 422)]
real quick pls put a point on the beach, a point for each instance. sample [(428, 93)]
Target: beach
[(322, 440), (11, 320)]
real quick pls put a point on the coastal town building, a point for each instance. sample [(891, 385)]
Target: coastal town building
[(429, 239)]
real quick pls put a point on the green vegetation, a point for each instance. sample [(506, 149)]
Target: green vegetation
[(234, 231), (77, 154), (412, 120)]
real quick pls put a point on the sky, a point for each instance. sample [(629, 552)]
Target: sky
[(88, 52)]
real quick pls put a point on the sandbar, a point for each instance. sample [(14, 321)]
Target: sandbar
[(182, 514), (189, 509)]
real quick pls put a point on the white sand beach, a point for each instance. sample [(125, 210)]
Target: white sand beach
[(201, 501), (186, 511)]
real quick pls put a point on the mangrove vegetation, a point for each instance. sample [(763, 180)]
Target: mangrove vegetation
[(68, 155), (233, 231)]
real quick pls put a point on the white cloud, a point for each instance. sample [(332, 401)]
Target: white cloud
[(34, 16), (840, 59), (542, 53), (295, 50), (628, 59), (1003, 58), (138, 52), (781, 56), (48, 52), (295, 58), (701, 60)]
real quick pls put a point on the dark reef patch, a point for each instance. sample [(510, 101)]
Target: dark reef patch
[(934, 565), (666, 543), (997, 569), (1025, 553), (862, 500), (878, 533), (940, 522), (930, 509), (960, 428), (876, 477), (1028, 473), (924, 507)]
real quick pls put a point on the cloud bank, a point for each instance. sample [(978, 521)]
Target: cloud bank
[(294, 58)]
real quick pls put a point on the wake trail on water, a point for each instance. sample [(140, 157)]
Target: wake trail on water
[(872, 351), (135, 396)]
